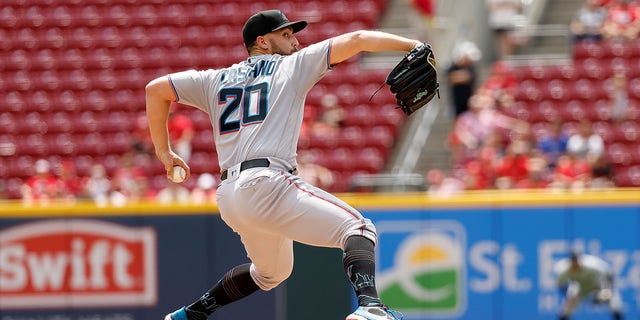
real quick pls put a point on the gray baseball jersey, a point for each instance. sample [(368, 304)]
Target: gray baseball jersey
[(255, 106), (591, 275)]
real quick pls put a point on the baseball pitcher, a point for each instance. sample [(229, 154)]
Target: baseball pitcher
[(256, 109)]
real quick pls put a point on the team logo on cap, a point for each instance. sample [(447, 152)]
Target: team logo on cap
[(422, 272)]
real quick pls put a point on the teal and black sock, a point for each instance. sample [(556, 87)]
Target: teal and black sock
[(360, 266), (235, 285)]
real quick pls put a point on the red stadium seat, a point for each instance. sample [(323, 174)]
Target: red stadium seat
[(13, 102), (92, 144), (33, 145), (62, 144), (340, 159), (618, 154), (7, 123), (85, 122), (379, 137), (202, 141), (587, 49), (369, 160), (628, 176), (629, 131), (605, 130), (360, 115), (59, 122), (44, 60), (117, 142), (575, 110), (351, 137)]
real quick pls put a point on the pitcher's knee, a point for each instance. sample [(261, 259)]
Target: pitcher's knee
[(269, 280)]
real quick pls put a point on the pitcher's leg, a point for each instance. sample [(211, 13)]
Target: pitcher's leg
[(236, 284)]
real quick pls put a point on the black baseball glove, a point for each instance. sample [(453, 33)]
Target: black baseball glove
[(414, 80)]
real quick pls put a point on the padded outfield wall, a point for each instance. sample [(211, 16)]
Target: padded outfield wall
[(478, 256)]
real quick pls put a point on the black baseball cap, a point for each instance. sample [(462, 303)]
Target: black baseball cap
[(268, 21)]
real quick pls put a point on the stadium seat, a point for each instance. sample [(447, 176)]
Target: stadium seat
[(33, 145), (617, 49), (202, 141), (360, 115), (47, 80), (85, 122), (14, 102), (62, 144), (587, 49), (18, 60), (340, 159), (351, 137), (59, 122), (618, 154), (117, 142), (574, 110), (369, 160), (323, 140), (7, 123), (628, 176), (43, 60), (379, 137), (605, 130), (204, 161), (546, 110), (628, 131)]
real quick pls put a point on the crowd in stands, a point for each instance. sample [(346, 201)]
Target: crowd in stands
[(59, 182), (600, 20), (493, 149)]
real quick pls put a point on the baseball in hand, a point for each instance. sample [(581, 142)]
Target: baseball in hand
[(179, 174)]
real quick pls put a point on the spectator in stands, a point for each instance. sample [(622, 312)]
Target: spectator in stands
[(571, 172), (538, 172), (501, 83), (173, 193), (513, 167), (618, 96), (440, 185), (621, 22), (69, 183), (475, 176), (503, 19), (332, 114), (41, 188), (473, 127), (553, 144), (98, 188), (3, 190), (588, 22), (585, 143), (141, 139), (423, 18), (602, 174), (461, 75), (205, 190), (314, 173), (181, 132), (130, 179)]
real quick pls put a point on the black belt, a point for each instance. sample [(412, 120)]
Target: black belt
[(253, 163)]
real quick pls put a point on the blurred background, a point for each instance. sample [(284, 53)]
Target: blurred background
[(539, 98)]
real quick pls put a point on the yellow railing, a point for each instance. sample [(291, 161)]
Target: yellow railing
[(485, 198)]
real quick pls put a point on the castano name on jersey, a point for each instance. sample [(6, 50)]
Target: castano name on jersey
[(242, 73)]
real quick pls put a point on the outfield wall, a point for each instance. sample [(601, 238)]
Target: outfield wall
[(479, 256)]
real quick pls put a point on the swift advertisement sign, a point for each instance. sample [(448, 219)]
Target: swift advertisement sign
[(77, 263)]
